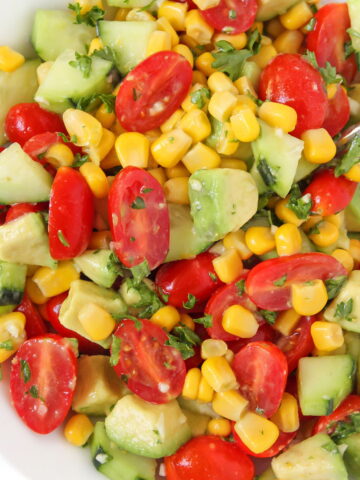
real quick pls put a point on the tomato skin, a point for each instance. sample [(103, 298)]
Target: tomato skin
[(52, 366), (301, 267), (164, 75), (325, 424), (291, 80), (20, 209), (143, 358), (338, 113), (25, 120), (330, 194), (35, 324), (265, 333), (209, 458), (40, 144), (183, 277), (71, 212), (139, 233), (221, 19)]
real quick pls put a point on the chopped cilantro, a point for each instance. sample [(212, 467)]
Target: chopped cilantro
[(232, 14), (229, 60), (140, 271), (184, 340), (314, 230), (89, 18), (190, 303), (213, 276), (83, 63), (344, 429), (254, 42), (280, 282), (138, 203), (267, 173), (25, 370), (309, 27), (351, 157), (106, 53), (148, 6), (328, 72), (108, 99), (62, 238), (330, 447), (7, 345), (300, 205), (259, 411), (80, 160), (240, 286), (115, 350), (146, 190), (334, 285), (268, 316), (200, 96), (206, 320), (344, 309), (34, 393)]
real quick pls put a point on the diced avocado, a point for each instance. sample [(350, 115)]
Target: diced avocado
[(197, 422), (252, 72), (116, 464), (12, 283), (147, 429), (98, 387), (129, 40), (316, 458), (54, 31), (352, 344), (354, 9), (152, 6), (324, 382), (271, 8), (184, 241), (81, 293), (267, 475), (352, 213), (140, 297), (100, 266), (17, 87), (345, 308), (65, 84), (199, 408), (21, 179), (277, 155), (352, 454), (222, 200), (304, 169), (25, 240)]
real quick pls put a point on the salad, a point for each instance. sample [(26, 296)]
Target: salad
[(180, 236)]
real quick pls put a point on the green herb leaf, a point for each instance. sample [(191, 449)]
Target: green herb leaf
[(62, 238), (34, 393), (300, 205), (106, 53), (140, 271), (349, 49), (267, 173), (280, 282), (213, 276), (80, 160), (206, 320), (344, 309), (148, 6), (7, 345), (200, 96), (269, 316), (334, 285), (314, 230), (89, 18), (346, 428), (149, 302), (190, 303), (353, 32), (184, 340), (115, 350), (229, 60), (240, 286), (25, 370), (310, 26), (351, 157), (89, 102), (83, 63), (232, 14), (330, 447), (138, 203), (328, 72), (254, 42)]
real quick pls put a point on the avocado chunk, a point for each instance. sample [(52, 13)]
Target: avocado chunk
[(81, 293), (324, 382), (116, 464), (135, 4), (277, 156), (267, 475), (222, 200), (24, 240), (316, 458), (269, 9), (98, 387), (12, 283), (100, 266), (354, 9), (197, 422), (352, 454), (147, 429), (140, 297), (352, 212), (199, 408)]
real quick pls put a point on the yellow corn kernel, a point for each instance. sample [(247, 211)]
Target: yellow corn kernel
[(221, 105), (309, 298), (176, 190), (354, 173), (196, 124), (9, 59), (354, 250), (238, 41), (189, 42), (31, 269), (345, 258), (51, 282), (233, 163), (287, 416), (205, 393), (95, 44), (166, 317), (205, 4), (121, 14), (278, 115), (260, 240), (86, 128), (34, 292), (99, 152), (311, 222), (219, 82), (245, 87), (170, 147), (286, 321), (213, 348), (139, 15), (60, 155), (228, 266), (218, 373), (288, 240), (237, 240), (42, 71), (331, 90), (78, 430), (158, 42), (227, 143), (239, 321), (319, 147), (229, 356), (185, 52), (286, 214), (289, 41), (245, 125), (201, 157), (274, 27), (197, 27), (97, 322), (219, 426), (178, 171), (327, 336), (326, 234), (132, 149), (257, 26), (198, 77), (229, 404), (175, 13), (244, 101), (12, 333), (266, 53), (96, 179), (106, 119), (297, 16), (191, 384), (164, 24), (204, 63), (159, 174), (186, 320), (87, 5), (172, 122), (336, 219), (111, 160), (256, 432), (100, 240)]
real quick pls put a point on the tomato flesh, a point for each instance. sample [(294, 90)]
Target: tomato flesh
[(20, 209), (326, 424), (231, 16), (34, 325), (338, 113)]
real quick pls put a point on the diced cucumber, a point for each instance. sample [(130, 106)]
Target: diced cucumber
[(129, 40), (65, 84), (271, 8), (252, 72), (352, 454), (21, 179), (100, 266), (197, 422), (199, 408), (304, 169), (152, 6), (267, 475), (352, 213), (12, 283), (17, 87), (324, 382), (354, 9), (54, 31)]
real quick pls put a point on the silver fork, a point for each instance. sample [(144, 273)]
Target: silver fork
[(347, 136)]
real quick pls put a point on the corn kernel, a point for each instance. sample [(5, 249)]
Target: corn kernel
[(132, 149), (9, 59), (228, 266), (117, 128), (139, 15), (97, 322), (95, 44), (336, 219), (219, 426), (286, 321), (175, 13), (106, 119), (12, 333), (213, 348), (354, 250), (197, 27), (205, 4), (178, 171), (201, 157), (206, 392), (354, 173), (84, 127), (237, 240), (327, 336), (331, 90), (289, 41), (191, 384), (287, 416), (121, 14), (345, 258), (234, 163), (218, 373), (229, 404), (52, 282), (265, 55), (245, 125), (159, 41), (42, 71), (229, 356), (219, 82), (111, 160), (244, 102), (166, 317), (159, 174), (239, 321), (60, 155), (186, 320), (170, 147), (311, 222), (309, 298), (274, 27), (238, 41), (286, 214), (319, 147), (204, 63), (99, 152), (34, 292), (185, 52), (176, 190), (257, 26), (96, 179), (260, 240), (78, 430), (87, 5), (189, 42), (297, 16), (278, 115), (326, 234), (288, 240), (173, 121), (221, 105), (196, 124), (256, 432), (198, 77), (164, 24), (100, 240), (227, 143), (245, 86)]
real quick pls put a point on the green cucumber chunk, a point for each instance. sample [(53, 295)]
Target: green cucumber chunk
[(152, 6), (354, 9), (352, 213), (100, 266), (352, 454), (12, 283), (269, 9)]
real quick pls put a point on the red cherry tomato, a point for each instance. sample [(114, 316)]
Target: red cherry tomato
[(139, 218), (261, 370), (338, 113), (152, 92), (291, 80), (25, 120), (231, 16), (330, 194), (269, 283), (326, 424), (299, 343), (209, 458), (20, 209), (40, 144), (183, 278), (42, 382), (265, 333), (35, 324), (329, 36), (71, 214), (155, 371)]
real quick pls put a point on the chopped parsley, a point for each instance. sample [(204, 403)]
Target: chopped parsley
[(280, 282), (344, 309), (330, 447), (344, 429), (334, 285), (25, 370), (268, 316), (146, 190), (206, 320), (65, 138), (62, 238), (200, 96), (328, 72), (240, 286), (80, 160), (89, 18), (310, 26), (300, 204), (229, 60), (140, 271), (190, 302), (135, 94), (232, 14), (184, 340), (213, 276), (82, 63), (115, 350), (89, 102), (138, 203), (351, 157), (7, 345), (254, 42), (314, 230), (267, 173)]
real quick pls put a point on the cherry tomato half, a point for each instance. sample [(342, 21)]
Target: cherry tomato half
[(39, 144), (338, 112), (71, 214), (291, 80), (265, 333), (231, 16), (20, 209), (155, 371), (24, 120), (326, 424), (42, 382), (34, 325), (209, 458), (269, 283), (261, 370), (330, 194), (152, 92), (139, 218)]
